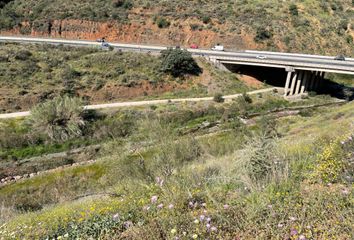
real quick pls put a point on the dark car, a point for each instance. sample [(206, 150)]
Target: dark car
[(340, 58)]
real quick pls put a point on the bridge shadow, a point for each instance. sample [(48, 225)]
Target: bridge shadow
[(337, 90), (268, 75)]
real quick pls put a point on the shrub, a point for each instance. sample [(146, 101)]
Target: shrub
[(219, 98), (293, 10), (330, 163), (162, 23), (262, 34), (247, 98), (179, 62), (23, 55), (195, 26), (113, 128), (126, 4), (60, 118), (206, 19)]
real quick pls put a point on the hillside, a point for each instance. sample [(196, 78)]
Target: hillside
[(322, 27), (30, 74), (254, 166), (191, 171)]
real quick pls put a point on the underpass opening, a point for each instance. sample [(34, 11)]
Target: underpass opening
[(268, 75)]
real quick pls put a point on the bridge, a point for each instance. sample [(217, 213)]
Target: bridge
[(303, 72)]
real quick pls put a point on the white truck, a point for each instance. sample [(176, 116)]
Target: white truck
[(218, 47)]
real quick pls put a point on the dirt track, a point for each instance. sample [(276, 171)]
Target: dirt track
[(143, 103)]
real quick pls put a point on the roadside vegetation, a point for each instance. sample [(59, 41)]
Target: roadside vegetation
[(322, 27), (30, 74)]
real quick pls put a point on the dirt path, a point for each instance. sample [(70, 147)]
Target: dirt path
[(148, 102)]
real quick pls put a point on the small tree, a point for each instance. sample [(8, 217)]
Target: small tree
[(60, 118), (293, 10), (218, 98), (179, 62), (162, 23)]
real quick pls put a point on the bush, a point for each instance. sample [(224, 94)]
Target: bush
[(247, 98), (178, 62), (162, 23), (219, 98), (113, 128), (195, 27), (262, 34), (293, 10), (60, 119), (330, 163), (206, 19), (126, 4), (23, 55)]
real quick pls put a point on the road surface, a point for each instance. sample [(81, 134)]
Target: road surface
[(144, 103), (272, 59)]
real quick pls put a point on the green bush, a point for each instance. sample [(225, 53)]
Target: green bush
[(195, 27), (218, 98), (60, 119), (263, 34), (179, 62), (23, 55), (206, 19), (126, 4), (162, 23), (247, 98), (293, 9)]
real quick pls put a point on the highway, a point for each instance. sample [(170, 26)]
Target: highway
[(247, 57)]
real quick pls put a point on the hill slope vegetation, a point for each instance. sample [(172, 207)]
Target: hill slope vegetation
[(324, 27)]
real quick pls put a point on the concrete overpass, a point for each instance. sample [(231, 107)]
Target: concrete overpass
[(304, 72)]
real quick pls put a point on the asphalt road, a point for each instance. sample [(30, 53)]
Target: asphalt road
[(273, 59), (144, 103)]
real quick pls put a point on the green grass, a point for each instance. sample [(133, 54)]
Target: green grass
[(37, 150), (217, 170)]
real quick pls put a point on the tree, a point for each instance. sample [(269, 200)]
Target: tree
[(293, 10), (178, 62), (60, 118)]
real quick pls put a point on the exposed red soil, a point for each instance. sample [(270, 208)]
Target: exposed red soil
[(250, 81), (179, 33)]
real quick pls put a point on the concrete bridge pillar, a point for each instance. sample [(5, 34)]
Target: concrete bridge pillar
[(304, 82), (287, 84), (293, 83), (300, 81)]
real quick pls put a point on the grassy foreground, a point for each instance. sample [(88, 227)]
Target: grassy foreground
[(288, 178)]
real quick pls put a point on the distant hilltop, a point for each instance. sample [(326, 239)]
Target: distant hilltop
[(322, 27)]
